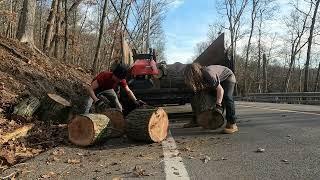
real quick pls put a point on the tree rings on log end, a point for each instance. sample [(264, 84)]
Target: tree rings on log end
[(158, 125), (210, 119), (59, 99), (149, 125), (87, 129)]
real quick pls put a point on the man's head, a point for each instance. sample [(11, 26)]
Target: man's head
[(120, 72)]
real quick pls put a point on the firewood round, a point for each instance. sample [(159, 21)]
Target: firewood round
[(149, 125)]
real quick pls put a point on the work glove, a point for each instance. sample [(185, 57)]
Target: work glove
[(219, 108), (99, 103), (139, 103)]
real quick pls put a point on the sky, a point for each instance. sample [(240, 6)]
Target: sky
[(187, 24)]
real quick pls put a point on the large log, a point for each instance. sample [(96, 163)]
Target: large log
[(204, 106), (88, 129), (117, 120), (55, 109), (149, 125), (27, 107)]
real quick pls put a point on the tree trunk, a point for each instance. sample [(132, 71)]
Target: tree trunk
[(96, 56), (26, 22), (317, 79), (55, 109), (27, 107), (306, 69), (264, 77), (57, 33), (259, 57), (50, 25), (88, 129), (149, 125), (253, 18), (65, 52), (203, 106)]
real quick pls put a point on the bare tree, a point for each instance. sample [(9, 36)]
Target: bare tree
[(254, 13), (297, 28), (26, 22), (306, 69), (57, 31), (316, 86), (65, 52), (50, 24), (233, 10), (96, 56)]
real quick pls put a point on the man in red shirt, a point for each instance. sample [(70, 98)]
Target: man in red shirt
[(105, 83)]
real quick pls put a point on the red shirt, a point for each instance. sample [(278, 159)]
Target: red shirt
[(106, 82)]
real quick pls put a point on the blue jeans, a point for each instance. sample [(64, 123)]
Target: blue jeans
[(228, 102)]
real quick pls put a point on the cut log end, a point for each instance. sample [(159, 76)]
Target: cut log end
[(81, 131), (149, 125), (210, 119), (116, 118), (158, 125), (59, 99)]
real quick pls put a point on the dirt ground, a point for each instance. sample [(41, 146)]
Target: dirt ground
[(26, 72)]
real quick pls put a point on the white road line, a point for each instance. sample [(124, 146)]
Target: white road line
[(281, 110), (174, 167)]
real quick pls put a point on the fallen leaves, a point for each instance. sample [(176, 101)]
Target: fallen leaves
[(73, 161), (138, 171), (205, 159), (260, 150), (48, 175)]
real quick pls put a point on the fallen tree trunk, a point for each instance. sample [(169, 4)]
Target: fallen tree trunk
[(20, 132), (204, 106), (88, 129), (55, 109), (149, 125), (27, 107)]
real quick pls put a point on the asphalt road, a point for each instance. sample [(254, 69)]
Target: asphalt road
[(289, 135)]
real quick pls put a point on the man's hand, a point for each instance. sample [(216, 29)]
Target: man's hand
[(219, 108)]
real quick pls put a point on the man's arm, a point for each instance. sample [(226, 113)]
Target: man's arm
[(220, 93), (90, 89), (130, 93)]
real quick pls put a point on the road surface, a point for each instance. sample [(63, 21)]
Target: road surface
[(289, 135)]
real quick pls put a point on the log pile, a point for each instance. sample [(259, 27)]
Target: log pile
[(203, 105), (148, 125)]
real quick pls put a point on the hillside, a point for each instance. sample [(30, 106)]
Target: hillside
[(24, 72)]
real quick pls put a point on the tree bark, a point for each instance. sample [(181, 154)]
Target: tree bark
[(317, 79), (96, 56), (203, 106), (55, 109), (65, 52), (57, 32), (88, 129), (253, 18), (50, 24), (27, 107), (26, 22), (264, 69), (306, 69), (148, 125)]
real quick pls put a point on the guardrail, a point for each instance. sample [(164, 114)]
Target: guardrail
[(290, 98)]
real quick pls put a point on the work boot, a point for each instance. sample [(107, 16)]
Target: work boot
[(191, 124), (230, 128)]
